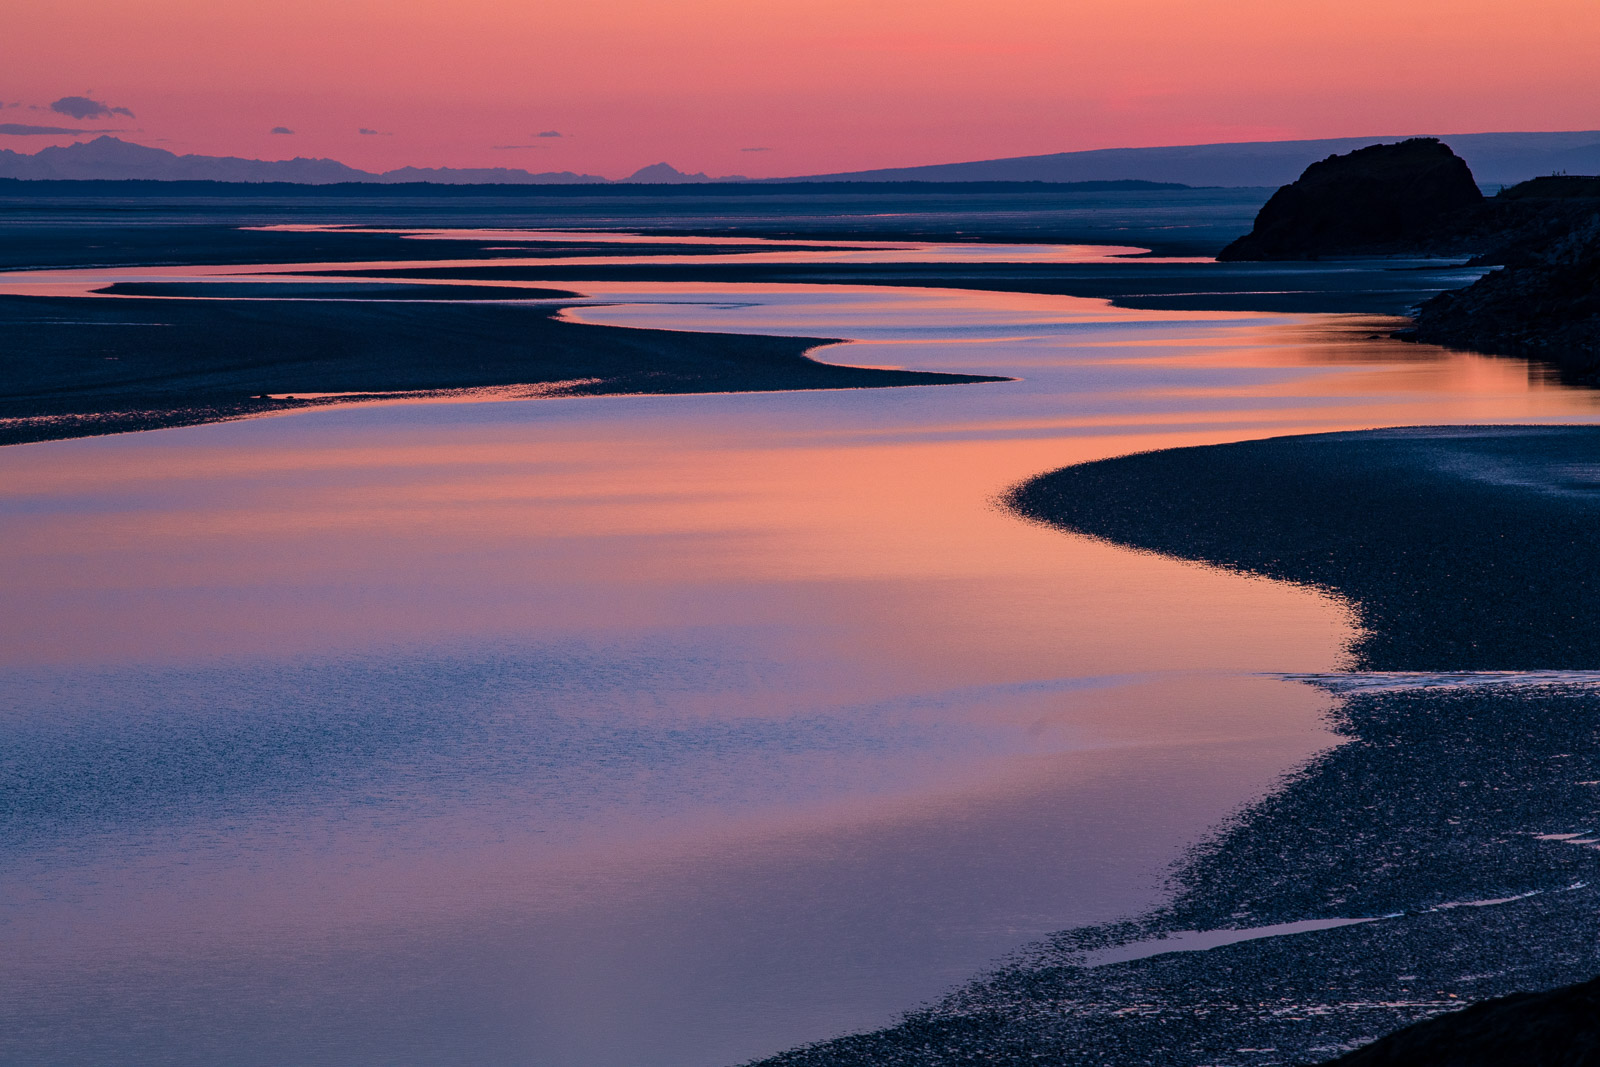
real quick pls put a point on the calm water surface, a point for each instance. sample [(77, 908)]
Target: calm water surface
[(643, 730)]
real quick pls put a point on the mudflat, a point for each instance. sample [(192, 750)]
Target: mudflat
[(77, 366), (1460, 548)]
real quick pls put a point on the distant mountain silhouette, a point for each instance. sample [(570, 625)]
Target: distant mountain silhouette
[(112, 158), (1495, 159), (666, 174)]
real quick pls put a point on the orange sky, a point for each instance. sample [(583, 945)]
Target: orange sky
[(818, 85)]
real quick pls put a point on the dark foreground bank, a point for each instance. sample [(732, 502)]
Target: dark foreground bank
[(1460, 548), (74, 367), (1441, 856)]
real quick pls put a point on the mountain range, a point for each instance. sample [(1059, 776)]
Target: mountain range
[(1495, 159), (111, 158)]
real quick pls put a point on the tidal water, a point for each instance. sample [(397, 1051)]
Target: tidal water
[(644, 731)]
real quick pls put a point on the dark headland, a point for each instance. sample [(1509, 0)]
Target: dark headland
[(1418, 197), (1379, 198)]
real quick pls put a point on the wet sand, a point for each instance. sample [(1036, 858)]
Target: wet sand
[(1461, 548), (82, 366), (1457, 818)]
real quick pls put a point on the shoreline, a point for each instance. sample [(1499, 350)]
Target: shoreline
[(184, 362), (1453, 816), (1461, 548)]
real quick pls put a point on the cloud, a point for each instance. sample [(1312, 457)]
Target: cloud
[(504, 147), (363, 131), (81, 107), (17, 129), (280, 129), (549, 133), (762, 149)]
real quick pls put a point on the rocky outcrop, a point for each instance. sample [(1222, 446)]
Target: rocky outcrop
[(1383, 198), (1544, 303), (1417, 197), (1559, 1028)]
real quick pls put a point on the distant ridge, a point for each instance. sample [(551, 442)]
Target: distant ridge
[(110, 158), (1495, 159), (667, 174)]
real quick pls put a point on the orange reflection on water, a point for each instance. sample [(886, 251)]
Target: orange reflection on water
[(889, 731)]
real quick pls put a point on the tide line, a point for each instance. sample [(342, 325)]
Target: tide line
[(1401, 681)]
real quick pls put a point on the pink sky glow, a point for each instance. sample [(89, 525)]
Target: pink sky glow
[(774, 87)]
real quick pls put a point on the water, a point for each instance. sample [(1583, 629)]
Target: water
[(643, 730)]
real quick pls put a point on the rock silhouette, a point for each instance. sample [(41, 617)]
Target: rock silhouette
[(1387, 197)]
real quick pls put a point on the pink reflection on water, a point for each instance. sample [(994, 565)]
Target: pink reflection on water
[(1007, 730), (797, 250)]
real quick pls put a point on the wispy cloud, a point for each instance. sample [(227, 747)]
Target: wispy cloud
[(761, 149), (81, 107), (363, 131), (549, 133), (18, 129), (280, 129), (506, 147)]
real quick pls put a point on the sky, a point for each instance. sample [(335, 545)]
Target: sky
[(768, 88)]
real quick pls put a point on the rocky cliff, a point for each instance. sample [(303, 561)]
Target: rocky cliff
[(1383, 198)]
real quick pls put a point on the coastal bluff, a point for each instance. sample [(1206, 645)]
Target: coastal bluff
[(1382, 198)]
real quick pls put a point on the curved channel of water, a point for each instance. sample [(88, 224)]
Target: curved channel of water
[(659, 730)]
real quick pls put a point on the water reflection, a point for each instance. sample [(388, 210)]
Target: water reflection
[(642, 730)]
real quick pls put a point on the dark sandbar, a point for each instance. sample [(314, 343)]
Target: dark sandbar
[(335, 290), (1462, 548), (77, 366)]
